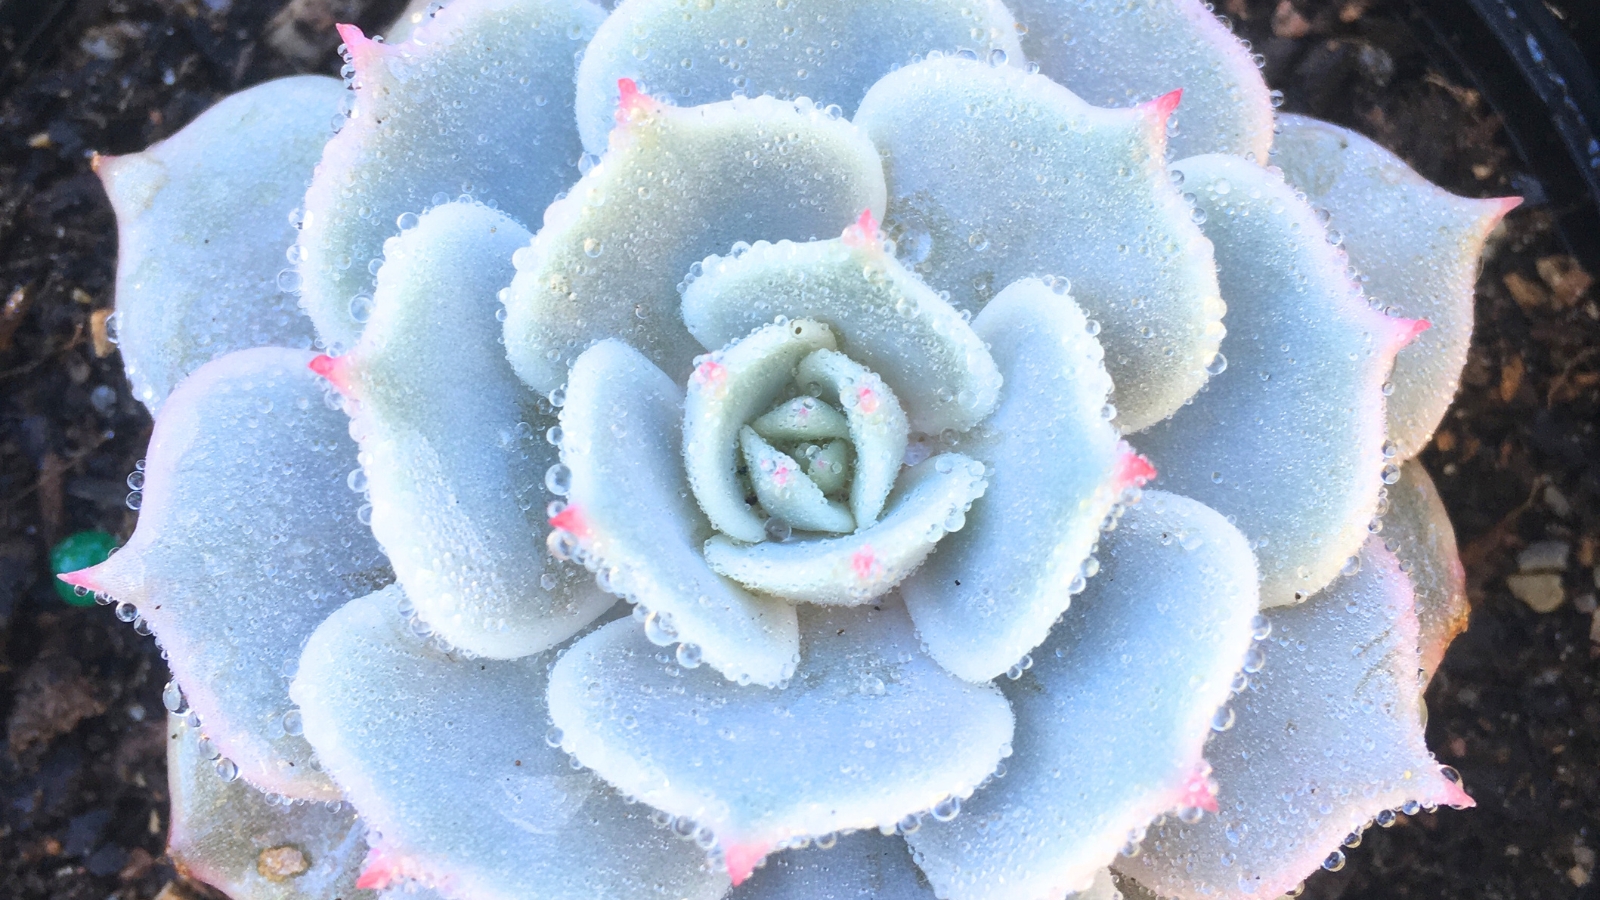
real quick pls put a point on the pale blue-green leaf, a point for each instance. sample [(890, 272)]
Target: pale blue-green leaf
[(676, 186), (202, 226), (930, 501), (802, 419), (1121, 52), (859, 866), (994, 588), (1417, 529), (415, 13), (828, 50), (1287, 442), (449, 762), (878, 428), (453, 448), (248, 537), (1112, 717), (478, 101), (1417, 247), (1327, 736), (828, 466), (632, 518), (995, 175), (785, 491), (869, 731)]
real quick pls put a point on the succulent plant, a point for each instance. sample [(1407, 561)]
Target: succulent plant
[(829, 354)]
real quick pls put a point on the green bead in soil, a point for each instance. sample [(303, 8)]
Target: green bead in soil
[(79, 550)]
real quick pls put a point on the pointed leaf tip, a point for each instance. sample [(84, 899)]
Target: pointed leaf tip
[(1166, 103), (570, 519), (864, 233), (632, 99), (742, 860), (335, 369), (83, 578), (1407, 330), (1198, 791), (1133, 470)]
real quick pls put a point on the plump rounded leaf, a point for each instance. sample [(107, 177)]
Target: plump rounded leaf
[(728, 389), (1112, 716), (202, 225), (1287, 442), (449, 762), (1328, 735), (1417, 247), (225, 832), (1417, 529), (995, 175), (860, 865), (930, 501), (632, 518), (991, 592), (248, 537), (454, 464), (885, 317), (828, 50), (478, 101), (878, 428), (1121, 52), (869, 731), (785, 491), (676, 186)]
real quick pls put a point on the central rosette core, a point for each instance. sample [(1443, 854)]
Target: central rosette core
[(795, 453)]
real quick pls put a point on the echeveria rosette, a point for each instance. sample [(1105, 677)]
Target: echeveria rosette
[(824, 334)]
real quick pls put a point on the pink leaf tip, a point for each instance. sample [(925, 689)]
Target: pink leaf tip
[(336, 369), (742, 859), (571, 520), (1198, 790), (377, 873), (631, 100), (1132, 469), (864, 233), (1166, 103), (1406, 330), (84, 578), (361, 48)]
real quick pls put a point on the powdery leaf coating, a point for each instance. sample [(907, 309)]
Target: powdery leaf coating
[(1112, 716), (1122, 52), (828, 50), (454, 468), (931, 499), (728, 389), (676, 186), (885, 317), (201, 231), (860, 865), (802, 419), (248, 538), (412, 141), (1328, 735), (1417, 247), (228, 835), (995, 175), (632, 518), (448, 760), (994, 588), (869, 731), (785, 491), (1417, 529), (878, 428), (1287, 442)]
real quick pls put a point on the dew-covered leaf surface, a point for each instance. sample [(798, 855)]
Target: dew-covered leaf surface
[(676, 186), (202, 226), (1121, 52), (860, 865), (1112, 716), (453, 448), (878, 427), (869, 731), (1417, 530), (993, 589), (449, 762), (413, 140), (248, 538), (1288, 441), (996, 175), (227, 833), (1417, 247), (828, 50), (1328, 736), (632, 518)]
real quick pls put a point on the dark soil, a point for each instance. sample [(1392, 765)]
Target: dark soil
[(1515, 706)]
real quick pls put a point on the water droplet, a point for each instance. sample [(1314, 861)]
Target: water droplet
[(1218, 365), (947, 809), (1223, 720), (778, 530), (293, 723), (361, 307), (407, 221), (172, 698), (689, 655), (1334, 862), (227, 770), (558, 480)]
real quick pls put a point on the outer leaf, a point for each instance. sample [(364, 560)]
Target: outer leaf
[(828, 50), (677, 186), (1120, 52), (993, 590), (863, 864), (995, 175), (455, 470), (248, 537), (413, 141), (1417, 247), (202, 222), (1417, 529), (1328, 736), (447, 759), (1112, 717), (885, 317), (869, 731), (228, 835), (1288, 441), (633, 520)]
